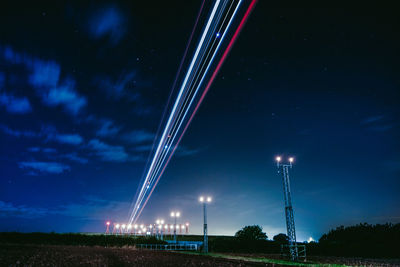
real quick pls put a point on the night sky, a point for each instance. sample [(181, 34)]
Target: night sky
[(83, 87)]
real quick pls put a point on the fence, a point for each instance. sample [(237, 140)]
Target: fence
[(168, 246)]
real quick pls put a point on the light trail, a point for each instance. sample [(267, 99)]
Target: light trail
[(173, 87), (200, 65), (162, 141)]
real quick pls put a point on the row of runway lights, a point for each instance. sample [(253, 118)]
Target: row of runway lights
[(158, 228)]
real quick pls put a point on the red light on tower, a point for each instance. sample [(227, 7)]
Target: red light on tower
[(108, 227)]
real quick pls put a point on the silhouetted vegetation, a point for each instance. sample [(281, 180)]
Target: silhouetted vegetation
[(251, 233), (75, 239), (364, 240), (250, 239), (281, 238)]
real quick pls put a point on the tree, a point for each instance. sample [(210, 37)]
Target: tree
[(253, 232), (281, 238)]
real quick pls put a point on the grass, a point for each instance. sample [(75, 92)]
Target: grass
[(264, 260)]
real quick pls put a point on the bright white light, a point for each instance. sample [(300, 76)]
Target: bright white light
[(117, 226), (172, 227), (129, 226), (187, 224), (144, 229), (278, 159), (123, 226), (178, 214), (310, 239), (158, 222), (182, 227), (151, 226), (159, 227), (172, 214), (291, 160), (108, 223), (166, 227), (177, 227), (201, 199), (135, 226), (162, 221), (140, 232), (141, 226), (208, 199)]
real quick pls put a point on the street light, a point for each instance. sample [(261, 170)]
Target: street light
[(205, 200), (175, 215)]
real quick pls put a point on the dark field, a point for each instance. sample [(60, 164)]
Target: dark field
[(36, 255)]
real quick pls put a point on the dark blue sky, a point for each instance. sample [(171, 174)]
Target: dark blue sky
[(83, 88)]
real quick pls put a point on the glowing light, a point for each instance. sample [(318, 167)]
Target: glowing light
[(141, 226), (172, 227), (172, 214), (166, 227), (187, 224), (108, 223), (129, 226), (201, 199), (291, 160), (158, 159), (178, 214), (158, 222), (151, 226), (123, 226), (162, 221), (181, 91), (208, 199), (117, 226), (278, 159), (136, 226), (310, 239), (218, 34), (182, 227), (159, 227)]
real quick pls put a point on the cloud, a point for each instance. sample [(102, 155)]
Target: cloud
[(45, 77), (107, 128), (125, 86), (74, 157), (372, 119), (107, 22), (44, 150), (49, 132), (72, 139), (108, 152), (17, 133), (378, 123), (65, 95), (8, 210), (16, 105), (52, 134), (44, 73), (183, 151), (138, 136), (45, 167)]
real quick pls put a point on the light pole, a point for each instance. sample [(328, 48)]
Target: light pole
[(283, 169), (205, 200), (175, 215)]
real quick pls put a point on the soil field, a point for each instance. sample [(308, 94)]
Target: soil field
[(329, 260), (36, 255)]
